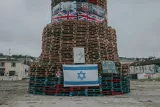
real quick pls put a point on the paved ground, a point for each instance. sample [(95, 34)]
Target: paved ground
[(144, 94)]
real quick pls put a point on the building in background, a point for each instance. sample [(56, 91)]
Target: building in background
[(145, 69), (11, 69)]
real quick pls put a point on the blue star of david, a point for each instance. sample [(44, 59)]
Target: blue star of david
[(81, 75)]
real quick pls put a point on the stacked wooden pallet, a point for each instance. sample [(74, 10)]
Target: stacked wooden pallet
[(58, 41), (43, 81), (112, 45), (115, 84)]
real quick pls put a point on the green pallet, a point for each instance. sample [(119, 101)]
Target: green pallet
[(107, 87), (49, 79), (117, 89), (40, 85), (39, 79), (94, 90), (126, 91), (126, 88), (50, 84), (128, 85), (117, 83), (106, 83), (125, 82)]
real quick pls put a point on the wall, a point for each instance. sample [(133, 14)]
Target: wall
[(147, 76), (19, 68), (142, 69), (158, 75), (25, 71), (8, 78), (132, 70), (149, 69)]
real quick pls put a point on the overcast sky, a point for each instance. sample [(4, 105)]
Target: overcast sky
[(137, 23)]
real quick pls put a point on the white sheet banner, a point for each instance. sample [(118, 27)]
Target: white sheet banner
[(80, 75)]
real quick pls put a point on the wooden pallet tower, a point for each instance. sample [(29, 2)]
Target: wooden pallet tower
[(77, 23)]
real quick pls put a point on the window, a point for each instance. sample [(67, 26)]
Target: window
[(2, 64), (13, 64), (12, 73), (2, 71)]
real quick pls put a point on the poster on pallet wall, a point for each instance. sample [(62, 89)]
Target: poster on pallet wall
[(149, 69), (91, 17), (82, 16), (99, 19), (56, 9), (90, 7), (67, 11), (97, 10), (82, 6), (66, 6), (80, 75), (79, 56), (108, 67)]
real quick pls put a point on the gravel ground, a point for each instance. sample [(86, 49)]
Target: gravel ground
[(143, 94)]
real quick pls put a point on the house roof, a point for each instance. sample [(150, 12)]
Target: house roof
[(146, 62)]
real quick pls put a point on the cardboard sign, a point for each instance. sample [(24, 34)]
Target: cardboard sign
[(109, 67)]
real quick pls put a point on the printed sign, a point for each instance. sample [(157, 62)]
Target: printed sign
[(56, 9), (68, 6), (82, 6), (109, 67), (77, 11), (79, 56)]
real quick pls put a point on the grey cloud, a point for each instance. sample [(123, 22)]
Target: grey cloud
[(136, 21), (21, 25), (137, 24)]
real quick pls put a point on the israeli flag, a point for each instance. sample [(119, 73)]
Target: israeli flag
[(80, 75)]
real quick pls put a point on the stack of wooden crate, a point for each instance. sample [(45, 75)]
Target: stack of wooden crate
[(58, 40), (112, 44)]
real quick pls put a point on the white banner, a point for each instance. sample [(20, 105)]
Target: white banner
[(80, 75)]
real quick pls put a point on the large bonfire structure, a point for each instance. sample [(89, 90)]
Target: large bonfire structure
[(78, 36)]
